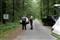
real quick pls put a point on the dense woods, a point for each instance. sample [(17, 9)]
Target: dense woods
[(47, 7), (16, 8)]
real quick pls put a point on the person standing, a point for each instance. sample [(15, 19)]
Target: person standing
[(31, 22), (23, 23)]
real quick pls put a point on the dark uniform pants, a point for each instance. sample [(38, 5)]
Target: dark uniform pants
[(31, 23), (23, 25)]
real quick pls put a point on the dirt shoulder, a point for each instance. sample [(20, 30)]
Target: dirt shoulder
[(14, 33)]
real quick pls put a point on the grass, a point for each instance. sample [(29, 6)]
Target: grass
[(5, 29), (56, 35)]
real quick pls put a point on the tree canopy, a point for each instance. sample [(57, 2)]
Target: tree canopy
[(17, 8)]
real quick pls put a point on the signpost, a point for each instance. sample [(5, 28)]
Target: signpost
[(6, 16)]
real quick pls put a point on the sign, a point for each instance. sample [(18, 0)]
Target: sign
[(5, 16)]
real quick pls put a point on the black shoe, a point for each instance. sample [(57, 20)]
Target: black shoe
[(31, 28), (22, 29)]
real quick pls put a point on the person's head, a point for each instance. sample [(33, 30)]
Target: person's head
[(31, 16)]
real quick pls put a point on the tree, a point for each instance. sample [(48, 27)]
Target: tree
[(47, 7)]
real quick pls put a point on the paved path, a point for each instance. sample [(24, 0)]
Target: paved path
[(38, 33)]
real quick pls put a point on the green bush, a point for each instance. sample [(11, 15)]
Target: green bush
[(56, 35), (9, 26)]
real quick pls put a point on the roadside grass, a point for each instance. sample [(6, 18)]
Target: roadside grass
[(56, 35), (5, 29)]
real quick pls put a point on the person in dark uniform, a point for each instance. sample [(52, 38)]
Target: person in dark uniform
[(31, 22), (23, 23)]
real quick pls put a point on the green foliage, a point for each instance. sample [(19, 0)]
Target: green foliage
[(37, 8), (47, 8), (56, 35), (5, 29), (16, 7), (9, 26), (32, 7)]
